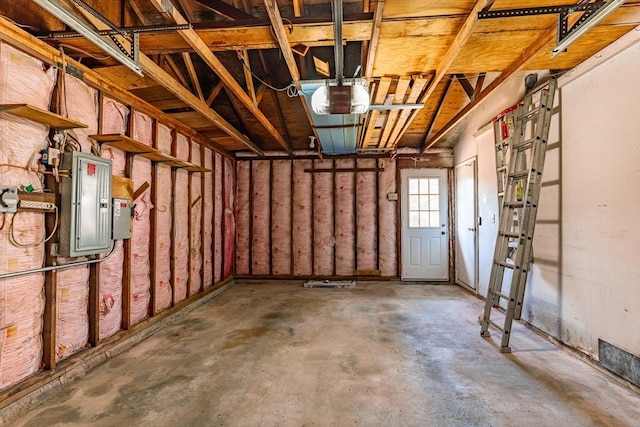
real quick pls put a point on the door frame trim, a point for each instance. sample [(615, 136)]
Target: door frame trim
[(476, 273), (449, 176)]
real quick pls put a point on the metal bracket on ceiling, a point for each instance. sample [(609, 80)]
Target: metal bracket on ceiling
[(130, 33), (563, 13)]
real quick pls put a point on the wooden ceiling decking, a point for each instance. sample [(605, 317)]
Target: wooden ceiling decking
[(432, 52)]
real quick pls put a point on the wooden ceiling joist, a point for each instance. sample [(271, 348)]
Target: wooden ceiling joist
[(514, 67), (243, 56), (194, 40), (398, 98), (454, 49), (287, 53), (214, 93), (381, 94), (192, 74), (375, 36), (156, 72), (466, 85), (22, 40), (282, 39), (419, 84), (298, 8), (226, 10)]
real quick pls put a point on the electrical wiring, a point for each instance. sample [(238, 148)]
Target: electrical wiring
[(89, 54), (289, 89), (12, 236)]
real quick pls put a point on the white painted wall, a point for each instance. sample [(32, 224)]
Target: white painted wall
[(585, 281)]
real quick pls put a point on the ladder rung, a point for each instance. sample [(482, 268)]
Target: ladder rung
[(502, 168), (520, 174), (495, 325), (506, 265), (519, 204), (524, 144), (501, 295), (529, 114), (508, 234)]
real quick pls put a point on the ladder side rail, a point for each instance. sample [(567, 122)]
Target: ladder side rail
[(531, 198), (530, 219), (505, 221)]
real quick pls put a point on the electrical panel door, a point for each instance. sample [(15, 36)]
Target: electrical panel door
[(85, 214)]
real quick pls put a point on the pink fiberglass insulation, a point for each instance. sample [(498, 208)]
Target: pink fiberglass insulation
[(207, 196), (181, 223), (366, 216), (141, 231), (302, 238), (21, 298), (243, 234), (81, 104), (217, 215), (281, 224), (72, 316), (388, 248), (164, 139), (22, 80), (196, 224), (260, 251), (110, 303), (345, 227), (142, 128), (229, 218), (324, 240), (140, 240), (164, 292), (114, 120)]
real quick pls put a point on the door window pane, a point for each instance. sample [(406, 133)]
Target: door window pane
[(424, 202)]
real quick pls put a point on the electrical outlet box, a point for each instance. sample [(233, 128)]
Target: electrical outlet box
[(392, 197), (9, 199), (85, 211), (121, 219)]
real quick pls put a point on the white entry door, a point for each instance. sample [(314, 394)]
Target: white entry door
[(466, 229), (425, 254)]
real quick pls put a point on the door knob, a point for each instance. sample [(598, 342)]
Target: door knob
[(472, 229)]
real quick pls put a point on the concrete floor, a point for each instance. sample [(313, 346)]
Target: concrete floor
[(382, 354)]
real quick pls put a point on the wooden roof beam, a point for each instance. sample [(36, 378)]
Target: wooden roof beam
[(214, 93), (548, 36), (186, 56), (243, 56), (156, 72), (19, 38), (298, 8), (287, 53), (283, 40), (466, 85), (194, 40), (454, 49), (225, 9), (375, 36), (436, 113)]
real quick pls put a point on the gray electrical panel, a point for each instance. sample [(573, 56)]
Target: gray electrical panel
[(85, 212), (122, 215)]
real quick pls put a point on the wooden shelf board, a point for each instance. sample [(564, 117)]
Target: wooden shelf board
[(132, 146), (41, 116), (124, 143), (157, 156), (196, 168)]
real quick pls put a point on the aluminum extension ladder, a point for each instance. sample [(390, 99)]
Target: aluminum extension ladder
[(520, 162)]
